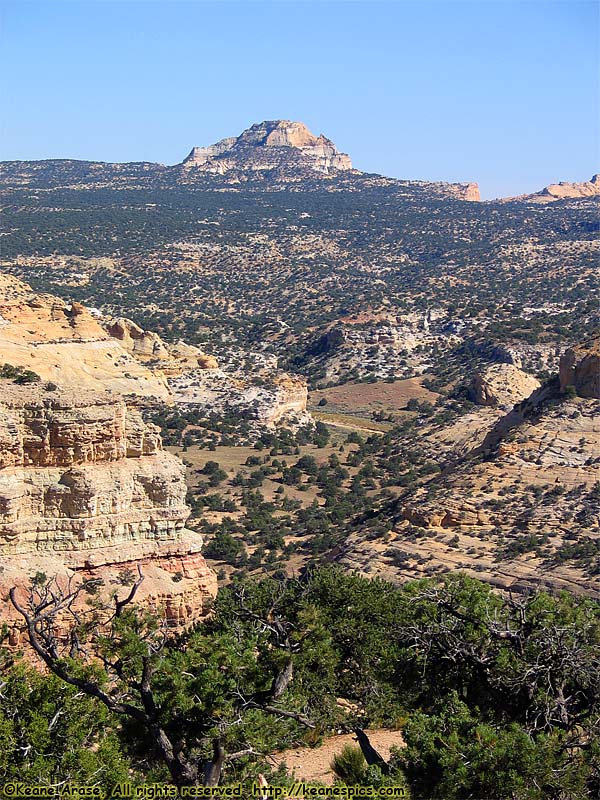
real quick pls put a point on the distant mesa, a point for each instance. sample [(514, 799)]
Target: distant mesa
[(564, 191), (264, 145), (468, 191), (559, 191)]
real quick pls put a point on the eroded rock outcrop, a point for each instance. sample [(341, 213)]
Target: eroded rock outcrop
[(448, 516), (580, 368), (76, 347), (144, 344), (291, 396), (283, 398), (564, 189), (66, 343), (87, 491), (465, 191), (502, 385), (148, 347), (267, 145)]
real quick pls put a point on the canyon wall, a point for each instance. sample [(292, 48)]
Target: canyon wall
[(86, 490)]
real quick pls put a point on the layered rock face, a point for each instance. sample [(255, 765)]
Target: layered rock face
[(86, 490), (269, 145), (291, 398), (200, 155)]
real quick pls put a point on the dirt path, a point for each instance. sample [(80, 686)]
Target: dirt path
[(350, 423), (312, 764)]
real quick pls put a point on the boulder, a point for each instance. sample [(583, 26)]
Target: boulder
[(502, 385)]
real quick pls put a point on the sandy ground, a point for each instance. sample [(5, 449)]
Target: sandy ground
[(312, 764), (368, 397)]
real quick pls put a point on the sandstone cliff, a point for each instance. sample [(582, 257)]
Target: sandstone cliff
[(86, 490), (564, 190), (291, 396), (464, 191)]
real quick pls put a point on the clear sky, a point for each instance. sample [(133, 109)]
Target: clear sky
[(503, 93)]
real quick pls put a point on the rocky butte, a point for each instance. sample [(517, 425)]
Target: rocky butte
[(268, 145), (286, 152)]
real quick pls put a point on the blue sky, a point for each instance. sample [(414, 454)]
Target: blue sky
[(503, 93)]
